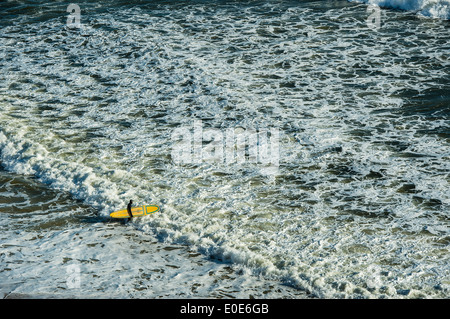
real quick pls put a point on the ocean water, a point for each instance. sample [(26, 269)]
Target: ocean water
[(439, 9), (356, 100)]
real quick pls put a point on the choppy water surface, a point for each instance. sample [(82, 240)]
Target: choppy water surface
[(359, 204)]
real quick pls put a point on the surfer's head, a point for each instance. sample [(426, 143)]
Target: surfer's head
[(131, 202)]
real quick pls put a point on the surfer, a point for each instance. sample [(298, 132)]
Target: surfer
[(129, 209)]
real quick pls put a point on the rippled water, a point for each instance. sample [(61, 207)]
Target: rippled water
[(358, 206)]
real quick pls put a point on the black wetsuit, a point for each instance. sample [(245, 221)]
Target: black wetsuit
[(129, 209)]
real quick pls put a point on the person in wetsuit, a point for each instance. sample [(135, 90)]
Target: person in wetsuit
[(129, 209)]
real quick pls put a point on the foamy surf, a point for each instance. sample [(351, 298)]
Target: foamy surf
[(439, 9), (357, 207), (56, 247)]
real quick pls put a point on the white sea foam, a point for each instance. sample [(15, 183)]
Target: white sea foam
[(428, 8), (341, 218)]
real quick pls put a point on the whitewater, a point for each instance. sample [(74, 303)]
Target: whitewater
[(439, 9), (357, 206)]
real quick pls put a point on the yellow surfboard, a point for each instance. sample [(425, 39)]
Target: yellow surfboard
[(136, 211)]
